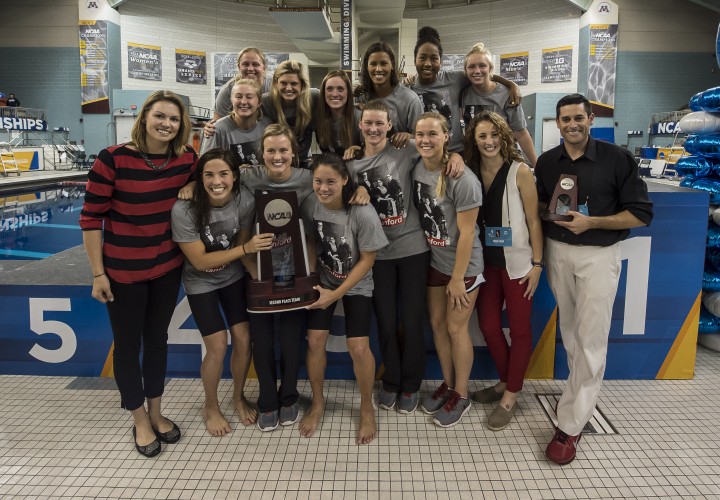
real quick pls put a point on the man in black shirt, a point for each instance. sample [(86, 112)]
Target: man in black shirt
[(583, 256), (13, 101)]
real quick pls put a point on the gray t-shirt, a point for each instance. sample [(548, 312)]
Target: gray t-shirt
[(473, 102), (404, 108), (336, 135), (244, 144), (305, 141), (224, 224), (443, 96), (223, 103), (387, 178), (439, 216), (300, 181), (341, 235)]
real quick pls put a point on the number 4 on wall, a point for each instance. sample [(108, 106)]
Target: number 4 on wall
[(38, 324)]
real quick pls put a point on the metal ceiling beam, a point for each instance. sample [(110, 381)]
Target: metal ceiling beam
[(713, 5), (583, 5)]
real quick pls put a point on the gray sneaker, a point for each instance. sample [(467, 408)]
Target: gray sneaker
[(268, 421), (407, 402), (289, 414), (387, 399), (433, 403), (451, 413)]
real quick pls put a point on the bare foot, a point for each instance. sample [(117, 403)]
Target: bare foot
[(311, 419), (246, 411), (216, 423), (367, 429)]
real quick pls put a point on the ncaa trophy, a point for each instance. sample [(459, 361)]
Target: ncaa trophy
[(284, 282), (563, 199)]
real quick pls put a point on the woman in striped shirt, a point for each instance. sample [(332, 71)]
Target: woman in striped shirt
[(135, 264)]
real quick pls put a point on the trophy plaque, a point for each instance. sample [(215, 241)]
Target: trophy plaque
[(284, 281), (563, 199)]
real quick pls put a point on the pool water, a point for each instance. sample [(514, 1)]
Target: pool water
[(38, 222)]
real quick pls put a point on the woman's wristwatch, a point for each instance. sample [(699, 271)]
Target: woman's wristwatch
[(538, 264)]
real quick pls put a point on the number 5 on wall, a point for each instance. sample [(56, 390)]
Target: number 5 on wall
[(68, 340)]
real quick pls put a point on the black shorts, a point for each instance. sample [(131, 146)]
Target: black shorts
[(436, 278), (206, 307), (358, 310)]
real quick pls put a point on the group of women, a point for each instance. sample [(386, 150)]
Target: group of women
[(379, 208)]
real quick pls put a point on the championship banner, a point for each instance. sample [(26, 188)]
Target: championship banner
[(514, 67), (602, 64), (225, 68), (452, 62), (144, 62), (190, 67), (556, 65), (346, 35), (94, 67)]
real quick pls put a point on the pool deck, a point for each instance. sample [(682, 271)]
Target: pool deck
[(39, 177)]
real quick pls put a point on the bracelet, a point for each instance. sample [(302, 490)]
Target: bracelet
[(98, 275), (243, 247)]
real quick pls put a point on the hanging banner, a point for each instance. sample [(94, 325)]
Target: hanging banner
[(144, 62), (556, 65), (514, 67), (190, 67), (225, 68), (346, 35), (452, 62), (94, 67), (602, 64)]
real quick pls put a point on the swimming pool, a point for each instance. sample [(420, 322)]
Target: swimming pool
[(38, 222)]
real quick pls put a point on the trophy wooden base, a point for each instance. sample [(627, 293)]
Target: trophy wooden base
[(549, 216), (264, 297)]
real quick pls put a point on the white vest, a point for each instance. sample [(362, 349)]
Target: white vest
[(518, 257)]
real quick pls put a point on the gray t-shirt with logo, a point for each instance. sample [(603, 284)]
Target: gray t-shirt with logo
[(300, 182), (218, 235), (244, 144), (341, 235), (404, 108), (473, 102), (443, 96), (439, 216), (387, 178)]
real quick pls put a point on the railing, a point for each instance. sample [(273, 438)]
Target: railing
[(668, 116), (11, 112)]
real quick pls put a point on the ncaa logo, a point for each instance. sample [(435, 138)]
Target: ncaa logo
[(604, 8), (278, 213), (567, 183)]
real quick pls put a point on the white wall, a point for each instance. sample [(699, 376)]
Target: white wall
[(205, 26)]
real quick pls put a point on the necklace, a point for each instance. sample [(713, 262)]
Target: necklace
[(151, 164)]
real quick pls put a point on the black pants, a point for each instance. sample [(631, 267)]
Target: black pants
[(400, 287), (289, 327), (139, 317)]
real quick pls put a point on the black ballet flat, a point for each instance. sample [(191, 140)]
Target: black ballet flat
[(149, 450), (171, 436)]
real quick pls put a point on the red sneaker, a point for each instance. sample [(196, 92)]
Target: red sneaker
[(562, 448)]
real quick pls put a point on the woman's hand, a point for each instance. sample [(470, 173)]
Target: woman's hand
[(455, 166), (327, 298), (457, 294), (209, 128), (515, 97), (101, 289), (258, 243), (360, 196), (349, 153), (532, 278), (186, 192), (400, 139)]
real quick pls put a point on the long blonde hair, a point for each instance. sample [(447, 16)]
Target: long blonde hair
[(303, 113), (138, 134), (442, 184)]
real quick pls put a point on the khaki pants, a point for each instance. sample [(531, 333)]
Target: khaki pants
[(584, 280)]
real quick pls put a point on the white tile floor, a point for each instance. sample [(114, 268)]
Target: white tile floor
[(66, 438)]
